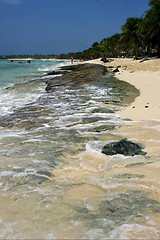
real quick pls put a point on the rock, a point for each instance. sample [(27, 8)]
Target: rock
[(110, 67), (104, 59), (124, 147), (116, 70), (76, 75), (55, 72)]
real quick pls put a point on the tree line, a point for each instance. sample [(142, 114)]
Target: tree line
[(139, 37), (24, 56)]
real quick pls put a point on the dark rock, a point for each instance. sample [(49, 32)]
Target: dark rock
[(55, 72), (116, 70), (124, 147), (95, 69), (77, 75), (103, 109), (128, 176), (110, 67), (104, 59)]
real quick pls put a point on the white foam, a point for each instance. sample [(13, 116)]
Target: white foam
[(54, 67), (9, 101), (34, 140), (6, 173), (50, 236), (96, 233), (26, 172), (134, 231), (8, 133), (6, 230), (48, 76)]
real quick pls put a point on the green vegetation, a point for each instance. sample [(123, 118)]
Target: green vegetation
[(36, 56), (139, 37)]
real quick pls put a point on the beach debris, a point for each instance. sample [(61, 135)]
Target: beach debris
[(104, 59), (144, 59), (124, 147), (147, 105), (116, 70)]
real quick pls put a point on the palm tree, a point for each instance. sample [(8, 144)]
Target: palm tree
[(152, 25), (131, 36), (113, 44), (109, 46)]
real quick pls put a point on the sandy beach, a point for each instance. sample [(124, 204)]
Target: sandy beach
[(145, 110), (145, 76)]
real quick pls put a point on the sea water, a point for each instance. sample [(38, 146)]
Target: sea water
[(15, 76), (55, 182)]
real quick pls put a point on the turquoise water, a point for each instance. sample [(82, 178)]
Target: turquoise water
[(11, 73), (18, 82)]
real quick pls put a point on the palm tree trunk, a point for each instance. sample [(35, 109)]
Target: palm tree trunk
[(158, 51), (148, 49)]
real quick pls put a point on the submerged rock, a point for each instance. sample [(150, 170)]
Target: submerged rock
[(124, 147)]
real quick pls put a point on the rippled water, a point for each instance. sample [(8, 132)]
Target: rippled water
[(56, 183)]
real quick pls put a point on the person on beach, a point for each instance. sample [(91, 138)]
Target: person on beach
[(72, 60)]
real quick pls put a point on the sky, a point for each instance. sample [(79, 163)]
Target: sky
[(61, 26)]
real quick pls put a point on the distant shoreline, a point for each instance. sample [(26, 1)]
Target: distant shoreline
[(26, 59)]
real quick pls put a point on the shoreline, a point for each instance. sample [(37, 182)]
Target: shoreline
[(144, 111), (144, 76), (53, 170)]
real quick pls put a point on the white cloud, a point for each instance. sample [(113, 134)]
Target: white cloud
[(11, 1)]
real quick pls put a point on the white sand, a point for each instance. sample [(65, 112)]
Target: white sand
[(145, 76), (147, 105)]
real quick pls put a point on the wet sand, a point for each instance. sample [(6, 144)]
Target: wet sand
[(138, 173)]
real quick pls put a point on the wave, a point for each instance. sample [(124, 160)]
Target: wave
[(27, 88)]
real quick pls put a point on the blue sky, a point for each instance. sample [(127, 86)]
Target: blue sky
[(61, 26)]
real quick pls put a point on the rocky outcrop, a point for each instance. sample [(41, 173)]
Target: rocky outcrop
[(55, 72), (124, 147), (77, 75)]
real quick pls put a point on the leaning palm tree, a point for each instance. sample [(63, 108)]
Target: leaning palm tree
[(131, 37), (152, 25)]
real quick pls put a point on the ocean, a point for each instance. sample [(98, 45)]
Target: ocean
[(55, 182)]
